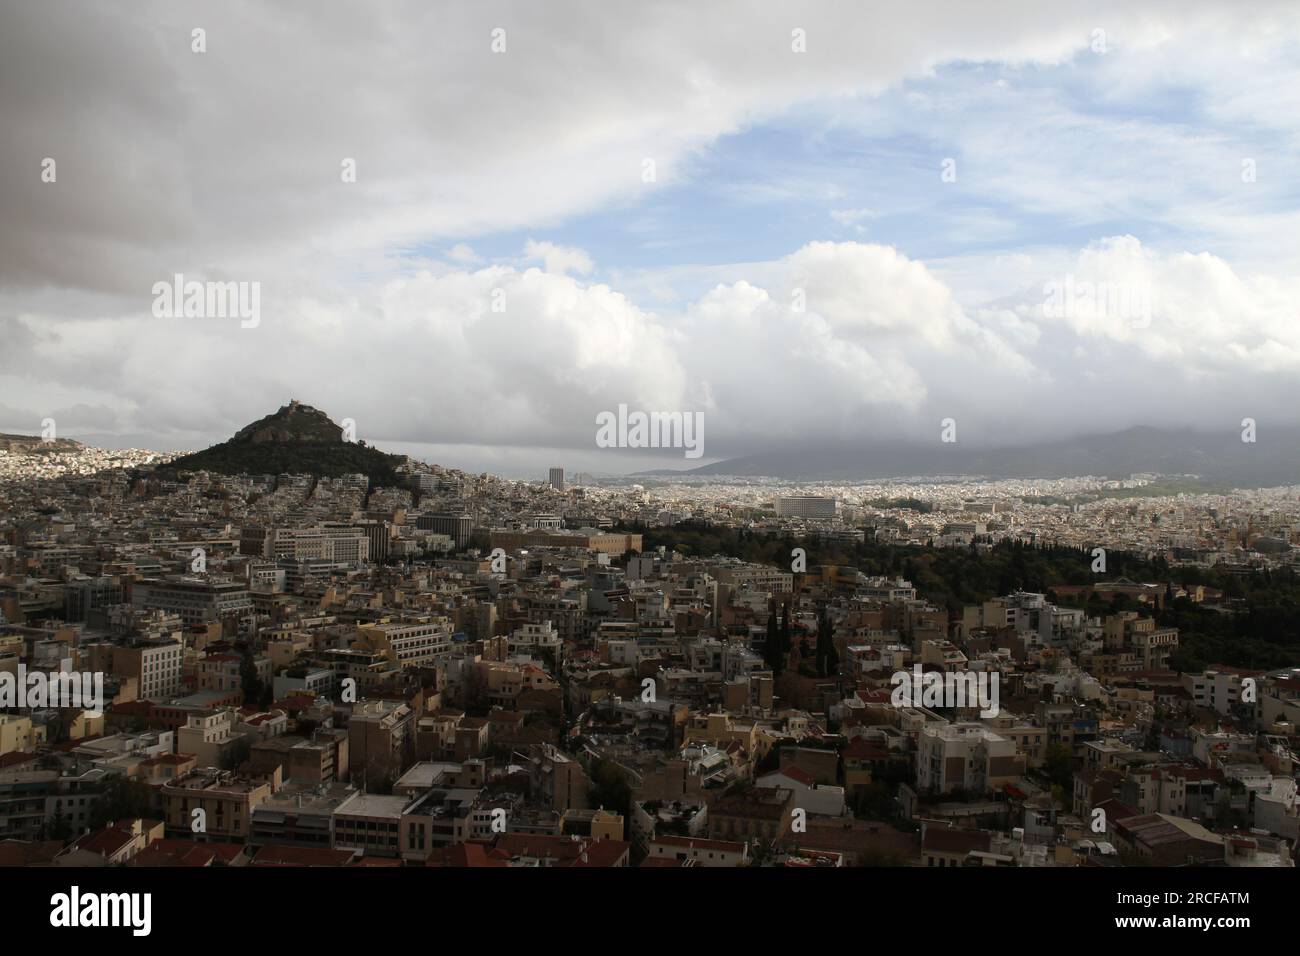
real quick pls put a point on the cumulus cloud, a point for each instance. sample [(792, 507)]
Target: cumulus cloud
[(1193, 309), (870, 345)]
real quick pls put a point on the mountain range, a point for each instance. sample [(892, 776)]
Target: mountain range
[(1215, 457), (300, 439)]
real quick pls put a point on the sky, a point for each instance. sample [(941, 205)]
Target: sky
[(474, 227)]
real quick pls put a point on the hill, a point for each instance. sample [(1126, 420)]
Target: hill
[(296, 439), (36, 445)]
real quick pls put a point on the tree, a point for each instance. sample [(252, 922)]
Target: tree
[(1223, 810), (787, 640), (57, 827), (121, 799), (828, 661), (609, 789), (249, 682), (1058, 766), (772, 648)]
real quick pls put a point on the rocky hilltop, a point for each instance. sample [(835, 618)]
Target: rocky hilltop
[(294, 422), (297, 439)]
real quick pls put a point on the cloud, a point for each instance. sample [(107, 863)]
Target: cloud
[(876, 346), (463, 254), (1192, 309), (226, 165), (854, 218), (230, 160), (559, 260)]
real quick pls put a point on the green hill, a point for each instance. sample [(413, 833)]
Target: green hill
[(297, 439)]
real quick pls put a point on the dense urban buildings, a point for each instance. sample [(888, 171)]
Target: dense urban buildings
[(523, 676)]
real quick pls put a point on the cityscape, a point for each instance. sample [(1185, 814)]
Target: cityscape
[(460, 670), (738, 437)]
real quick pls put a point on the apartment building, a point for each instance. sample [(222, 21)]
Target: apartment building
[(196, 600), (966, 756), (408, 644), (322, 759), (366, 667), (540, 641), (299, 815), (1278, 699), (226, 799), (438, 818), (16, 733), (565, 615), (1029, 739), (1215, 690), (209, 736), (309, 681), (30, 798), (381, 741), (1154, 646), (154, 663), (370, 822), (224, 672), (761, 813), (1180, 791)]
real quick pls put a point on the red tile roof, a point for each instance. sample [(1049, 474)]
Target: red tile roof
[(465, 855), (277, 855), (798, 774), (178, 853)]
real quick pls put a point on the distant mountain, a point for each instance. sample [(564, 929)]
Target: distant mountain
[(297, 439), (1219, 457), (36, 445)]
